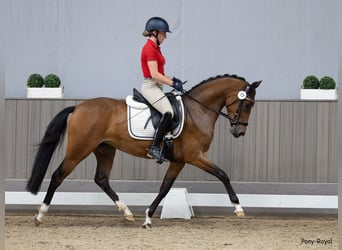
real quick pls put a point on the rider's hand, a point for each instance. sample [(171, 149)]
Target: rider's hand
[(177, 84)]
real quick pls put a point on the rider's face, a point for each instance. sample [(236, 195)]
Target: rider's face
[(161, 36)]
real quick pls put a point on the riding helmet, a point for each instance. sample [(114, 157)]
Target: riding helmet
[(157, 23)]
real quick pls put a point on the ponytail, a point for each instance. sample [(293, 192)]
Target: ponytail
[(146, 33)]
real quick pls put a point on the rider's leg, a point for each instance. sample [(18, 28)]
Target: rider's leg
[(153, 93), (155, 150)]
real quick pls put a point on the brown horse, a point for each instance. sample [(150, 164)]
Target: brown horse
[(99, 126)]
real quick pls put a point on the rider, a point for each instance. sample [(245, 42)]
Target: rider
[(152, 64)]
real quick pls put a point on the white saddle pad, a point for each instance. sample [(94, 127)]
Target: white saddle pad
[(137, 115)]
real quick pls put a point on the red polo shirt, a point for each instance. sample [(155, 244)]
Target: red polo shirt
[(151, 52)]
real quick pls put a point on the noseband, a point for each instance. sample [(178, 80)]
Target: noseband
[(242, 97)]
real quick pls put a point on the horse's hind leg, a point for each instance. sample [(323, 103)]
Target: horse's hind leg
[(105, 155), (64, 169)]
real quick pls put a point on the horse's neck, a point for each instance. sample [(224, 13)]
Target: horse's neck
[(214, 94)]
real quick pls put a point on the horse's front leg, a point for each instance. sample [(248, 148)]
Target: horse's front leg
[(203, 163), (169, 178)]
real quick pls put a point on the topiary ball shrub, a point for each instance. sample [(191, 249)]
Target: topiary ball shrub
[(52, 81), (35, 81), (311, 82), (327, 82)]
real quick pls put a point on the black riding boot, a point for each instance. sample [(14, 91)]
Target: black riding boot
[(155, 150)]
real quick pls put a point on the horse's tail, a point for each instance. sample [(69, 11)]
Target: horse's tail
[(53, 136)]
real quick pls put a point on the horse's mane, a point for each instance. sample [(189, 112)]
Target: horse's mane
[(218, 77)]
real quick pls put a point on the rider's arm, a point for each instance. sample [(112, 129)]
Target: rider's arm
[(153, 67)]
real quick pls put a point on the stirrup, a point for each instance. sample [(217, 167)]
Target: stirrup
[(154, 152)]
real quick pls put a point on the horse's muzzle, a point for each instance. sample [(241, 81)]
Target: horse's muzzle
[(238, 130)]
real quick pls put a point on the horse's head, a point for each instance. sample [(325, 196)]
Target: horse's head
[(239, 106)]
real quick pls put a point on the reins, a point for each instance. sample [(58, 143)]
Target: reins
[(204, 105), (234, 120)]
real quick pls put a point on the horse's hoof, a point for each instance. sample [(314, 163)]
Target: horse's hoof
[(129, 218), (239, 213), (36, 221), (147, 226)]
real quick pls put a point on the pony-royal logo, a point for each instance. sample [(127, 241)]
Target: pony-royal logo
[(317, 241)]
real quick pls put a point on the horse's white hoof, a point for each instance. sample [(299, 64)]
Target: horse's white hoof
[(239, 213), (147, 225), (37, 222), (129, 217)]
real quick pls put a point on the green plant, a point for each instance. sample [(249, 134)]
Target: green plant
[(327, 82), (35, 81), (311, 82), (52, 81)]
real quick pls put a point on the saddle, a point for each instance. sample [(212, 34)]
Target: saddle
[(155, 114), (143, 118)]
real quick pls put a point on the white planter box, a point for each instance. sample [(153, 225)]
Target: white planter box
[(318, 94), (45, 92)]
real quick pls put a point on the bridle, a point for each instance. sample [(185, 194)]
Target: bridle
[(242, 96)]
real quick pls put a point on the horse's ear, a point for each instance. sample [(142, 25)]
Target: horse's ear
[(254, 85)]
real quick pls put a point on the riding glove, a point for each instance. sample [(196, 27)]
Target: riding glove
[(177, 84)]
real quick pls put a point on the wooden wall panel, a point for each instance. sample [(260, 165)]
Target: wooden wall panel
[(310, 142), (273, 142), (286, 141), (322, 142), (10, 135), (332, 152), (297, 161), (261, 132)]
